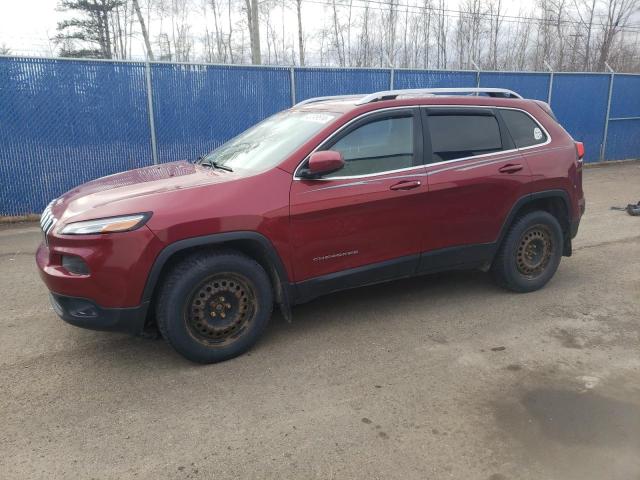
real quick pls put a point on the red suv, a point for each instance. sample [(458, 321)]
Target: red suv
[(333, 193)]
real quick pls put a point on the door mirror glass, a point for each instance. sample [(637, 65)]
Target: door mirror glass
[(322, 163)]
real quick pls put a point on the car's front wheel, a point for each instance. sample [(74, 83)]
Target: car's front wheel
[(530, 253), (214, 306)]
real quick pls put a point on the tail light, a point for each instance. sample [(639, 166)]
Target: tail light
[(580, 150)]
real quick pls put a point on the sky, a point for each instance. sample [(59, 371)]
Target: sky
[(27, 25)]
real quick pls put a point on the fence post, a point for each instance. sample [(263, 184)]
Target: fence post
[(392, 78), (152, 123), (603, 148), (475, 65), (550, 82), (292, 79)]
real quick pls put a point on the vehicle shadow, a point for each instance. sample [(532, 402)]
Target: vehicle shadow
[(361, 304)]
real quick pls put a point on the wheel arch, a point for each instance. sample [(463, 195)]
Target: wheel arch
[(555, 202), (252, 244)]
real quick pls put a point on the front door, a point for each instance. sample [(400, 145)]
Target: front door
[(363, 218)]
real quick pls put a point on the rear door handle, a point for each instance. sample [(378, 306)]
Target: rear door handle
[(405, 185), (510, 168)]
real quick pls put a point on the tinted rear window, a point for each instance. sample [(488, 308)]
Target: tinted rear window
[(460, 136), (524, 131)]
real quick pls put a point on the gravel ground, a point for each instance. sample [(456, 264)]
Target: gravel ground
[(443, 376)]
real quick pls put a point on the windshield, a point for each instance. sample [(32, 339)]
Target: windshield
[(270, 141)]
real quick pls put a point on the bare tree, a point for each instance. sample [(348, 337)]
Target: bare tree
[(568, 34), (617, 16), (253, 23), (363, 45), (300, 33), (469, 38), (586, 10), (405, 37), (495, 12), (143, 29), (221, 49), (338, 35), (521, 46), (544, 37), (390, 20), (426, 15), (441, 35)]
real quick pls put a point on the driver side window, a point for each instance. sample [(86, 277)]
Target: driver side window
[(378, 146)]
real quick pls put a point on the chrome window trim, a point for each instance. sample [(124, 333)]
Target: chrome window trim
[(482, 156), (425, 165), (547, 142)]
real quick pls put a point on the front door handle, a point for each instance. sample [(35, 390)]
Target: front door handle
[(405, 185), (510, 168)]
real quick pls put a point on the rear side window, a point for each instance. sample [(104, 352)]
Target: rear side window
[(460, 136), (524, 131)]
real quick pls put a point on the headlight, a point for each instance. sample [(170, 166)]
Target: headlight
[(106, 225)]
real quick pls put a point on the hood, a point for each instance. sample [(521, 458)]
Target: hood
[(116, 194)]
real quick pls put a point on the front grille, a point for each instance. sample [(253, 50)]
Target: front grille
[(47, 220)]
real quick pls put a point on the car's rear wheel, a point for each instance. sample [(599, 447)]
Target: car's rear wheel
[(214, 306), (530, 253)]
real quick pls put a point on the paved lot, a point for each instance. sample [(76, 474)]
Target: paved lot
[(439, 377)]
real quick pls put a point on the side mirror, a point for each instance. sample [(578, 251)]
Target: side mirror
[(322, 163)]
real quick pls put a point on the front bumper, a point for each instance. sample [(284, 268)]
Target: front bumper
[(117, 266), (85, 313)]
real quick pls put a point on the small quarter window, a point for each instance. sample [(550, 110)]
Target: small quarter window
[(460, 136), (378, 146), (524, 131)]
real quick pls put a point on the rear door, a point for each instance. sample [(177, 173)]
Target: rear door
[(366, 214), (476, 174)]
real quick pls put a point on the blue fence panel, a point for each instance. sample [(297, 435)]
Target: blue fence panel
[(433, 79), (529, 85), (623, 139), (65, 122), (625, 98), (320, 82), (580, 103), (199, 107)]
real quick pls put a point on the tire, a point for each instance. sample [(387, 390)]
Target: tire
[(214, 306), (529, 254)]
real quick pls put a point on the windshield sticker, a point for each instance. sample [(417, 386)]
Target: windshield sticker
[(318, 117), (537, 133)]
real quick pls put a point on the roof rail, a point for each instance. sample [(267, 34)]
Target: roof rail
[(391, 94), (322, 99)]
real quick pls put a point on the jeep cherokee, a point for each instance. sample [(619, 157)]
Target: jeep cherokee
[(334, 193)]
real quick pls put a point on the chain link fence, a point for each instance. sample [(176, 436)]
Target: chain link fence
[(64, 122)]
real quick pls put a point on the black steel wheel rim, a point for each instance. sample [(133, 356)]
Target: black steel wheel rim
[(534, 251), (220, 309)]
